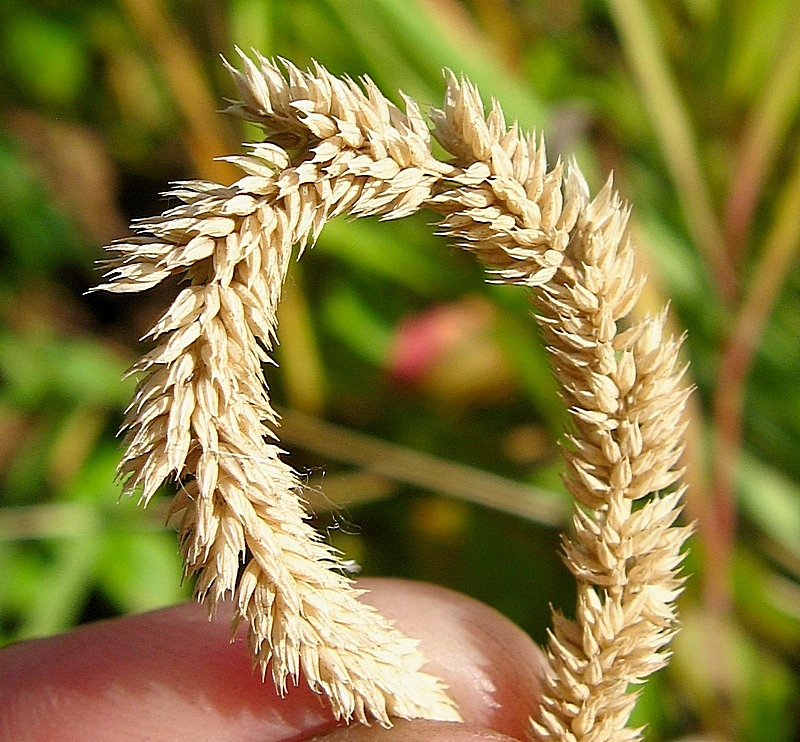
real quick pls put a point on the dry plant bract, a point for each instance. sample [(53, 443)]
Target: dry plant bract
[(202, 419)]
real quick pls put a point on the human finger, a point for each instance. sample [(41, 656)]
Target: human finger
[(172, 674)]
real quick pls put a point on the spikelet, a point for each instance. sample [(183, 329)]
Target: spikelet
[(201, 416)]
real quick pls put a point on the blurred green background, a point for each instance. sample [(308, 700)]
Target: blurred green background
[(416, 395)]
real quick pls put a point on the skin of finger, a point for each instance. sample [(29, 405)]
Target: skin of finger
[(492, 667), (166, 675), (172, 674), (414, 731)]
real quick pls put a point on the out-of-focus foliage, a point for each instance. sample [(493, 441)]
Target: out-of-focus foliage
[(392, 335)]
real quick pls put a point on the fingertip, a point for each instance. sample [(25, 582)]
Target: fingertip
[(492, 667), (168, 674), (172, 674), (414, 731)]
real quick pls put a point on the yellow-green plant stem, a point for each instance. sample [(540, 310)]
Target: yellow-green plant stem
[(669, 118), (206, 137)]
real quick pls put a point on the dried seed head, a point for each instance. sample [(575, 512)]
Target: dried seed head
[(201, 415)]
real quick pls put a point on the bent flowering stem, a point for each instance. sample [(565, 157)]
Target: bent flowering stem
[(622, 388), (202, 417)]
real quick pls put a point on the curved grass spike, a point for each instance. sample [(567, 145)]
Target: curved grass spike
[(201, 415)]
